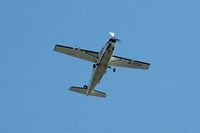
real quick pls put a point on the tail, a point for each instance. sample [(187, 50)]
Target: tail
[(83, 90)]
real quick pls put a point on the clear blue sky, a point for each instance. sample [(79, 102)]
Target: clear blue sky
[(34, 80)]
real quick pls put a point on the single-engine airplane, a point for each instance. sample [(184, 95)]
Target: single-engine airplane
[(102, 60)]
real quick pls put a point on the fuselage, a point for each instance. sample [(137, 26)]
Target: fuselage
[(99, 69)]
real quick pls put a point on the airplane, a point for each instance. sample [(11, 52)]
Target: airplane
[(101, 62)]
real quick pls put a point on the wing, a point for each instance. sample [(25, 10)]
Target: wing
[(77, 52), (124, 62)]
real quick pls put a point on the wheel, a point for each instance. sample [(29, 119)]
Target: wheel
[(85, 86), (94, 65)]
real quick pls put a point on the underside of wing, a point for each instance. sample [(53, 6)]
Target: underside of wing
[(125, 62), (77, 52)]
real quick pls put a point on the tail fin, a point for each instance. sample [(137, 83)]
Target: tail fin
[(84, 91)]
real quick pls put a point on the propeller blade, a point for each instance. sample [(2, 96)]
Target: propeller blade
[(118, 40), (113, 37)]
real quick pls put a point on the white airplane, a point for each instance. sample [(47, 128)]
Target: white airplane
[(102, 60)]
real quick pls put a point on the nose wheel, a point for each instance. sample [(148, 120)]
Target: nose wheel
[(85, 86), (94, 65)]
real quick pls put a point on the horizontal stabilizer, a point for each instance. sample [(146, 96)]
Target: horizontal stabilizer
[(78, 89), (84, 91), (97, 93)]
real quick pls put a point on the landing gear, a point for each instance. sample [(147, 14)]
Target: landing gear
[(85, 86), (94, 65), (113, 69)]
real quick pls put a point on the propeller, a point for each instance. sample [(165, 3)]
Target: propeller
[(112, 34), (113, 37)]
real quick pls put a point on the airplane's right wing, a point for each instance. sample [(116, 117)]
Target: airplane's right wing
[(77, 52), (125, 62)]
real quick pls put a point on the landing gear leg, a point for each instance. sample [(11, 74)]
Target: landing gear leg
[(113, 69)]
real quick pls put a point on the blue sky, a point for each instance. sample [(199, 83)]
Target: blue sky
[(34, 79)]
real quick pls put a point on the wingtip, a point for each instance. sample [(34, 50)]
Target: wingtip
[(54, 49)]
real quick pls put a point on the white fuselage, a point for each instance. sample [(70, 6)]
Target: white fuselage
[(102, 64)]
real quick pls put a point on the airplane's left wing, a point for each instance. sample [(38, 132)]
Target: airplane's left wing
[(125, 62), (77, 52)]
